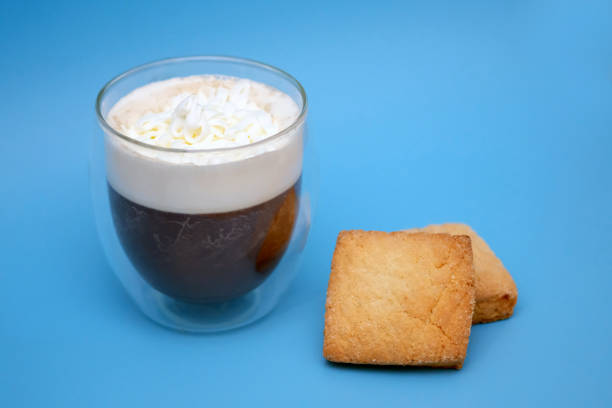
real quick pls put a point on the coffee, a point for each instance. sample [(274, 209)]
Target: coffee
[(199, 225), (205, 257)]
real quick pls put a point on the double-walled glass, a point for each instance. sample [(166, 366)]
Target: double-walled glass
[(199, 261)]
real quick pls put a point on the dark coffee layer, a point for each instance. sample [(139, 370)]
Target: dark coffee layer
[(205, 257)]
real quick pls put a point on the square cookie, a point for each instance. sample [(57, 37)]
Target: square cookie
[(496, 292), (399, 299)]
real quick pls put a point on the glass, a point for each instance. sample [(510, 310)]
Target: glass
[(211, 271)]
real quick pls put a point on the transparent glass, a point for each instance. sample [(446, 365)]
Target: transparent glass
[(203, 271)]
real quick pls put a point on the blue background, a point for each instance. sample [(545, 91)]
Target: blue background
[(498, 114)]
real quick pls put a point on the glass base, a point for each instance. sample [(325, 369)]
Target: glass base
[(204, 318)]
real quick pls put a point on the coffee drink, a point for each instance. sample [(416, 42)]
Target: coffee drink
[(204, 183), (205, 257)]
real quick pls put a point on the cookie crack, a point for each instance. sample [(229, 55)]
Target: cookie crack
[(443, 333), (428, 322), (437, 303), (429, 319)]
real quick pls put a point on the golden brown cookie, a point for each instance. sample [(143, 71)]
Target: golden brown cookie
[(496, 292), (399, 299)]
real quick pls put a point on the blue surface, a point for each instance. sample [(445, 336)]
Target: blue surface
[(498, 114)]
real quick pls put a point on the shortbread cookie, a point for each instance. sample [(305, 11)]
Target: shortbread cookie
[(496, 292), (399, 299)]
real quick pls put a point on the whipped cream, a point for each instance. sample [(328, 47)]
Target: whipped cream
[(205, 112), (200, 113)]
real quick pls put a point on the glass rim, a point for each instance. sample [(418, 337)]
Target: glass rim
[(222, 58)]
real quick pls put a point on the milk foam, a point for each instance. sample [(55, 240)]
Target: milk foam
[(199, 113)]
